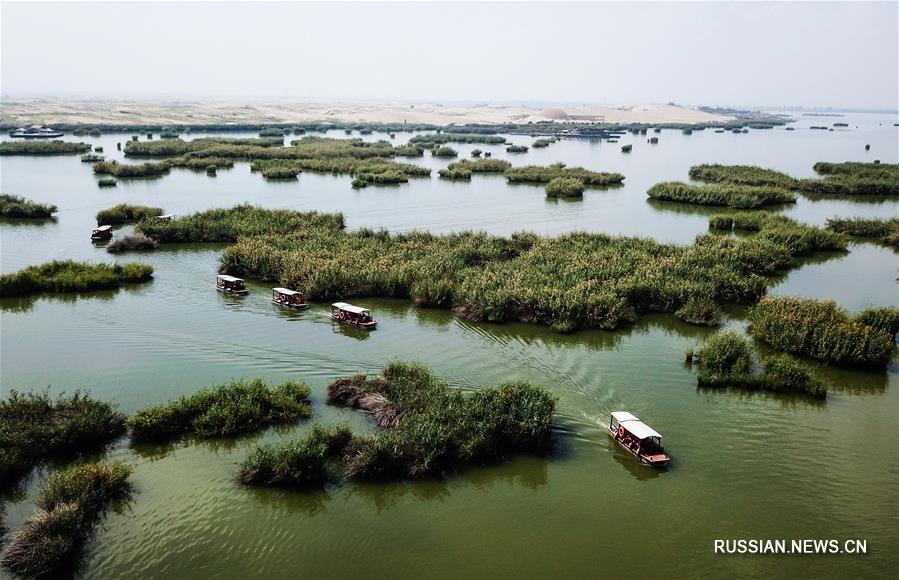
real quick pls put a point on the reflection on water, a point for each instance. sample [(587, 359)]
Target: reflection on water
[(750, 464)]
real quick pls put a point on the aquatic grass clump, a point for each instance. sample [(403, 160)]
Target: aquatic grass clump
[(700, 311), (430, 140), (14, 206), (41, 147), (884, 230), (107, 182), (225, 410), (132, 243), (546, 173), (444, 151), (131, 170), (299, 462), (429, 429), (820, 330), (728, 195), (480, 165), (850, 185), (565, 187), (543, 143), (799, 239), (226, 225), (201, 162), (884, 318), (517, 149), (729, 360), (36, 427), (409, 151), (71, 503), (71, 276), (742, 175), (455, 173), (124, 212), (855, 169)]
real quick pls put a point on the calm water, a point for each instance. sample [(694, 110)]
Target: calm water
[(745, 465)]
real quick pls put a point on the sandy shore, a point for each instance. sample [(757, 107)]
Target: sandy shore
[(47, 111)]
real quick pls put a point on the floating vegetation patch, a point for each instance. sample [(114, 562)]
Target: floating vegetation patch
[(14, 206), (71, 276), (797, 238), (546, 173), (543, 143), (225, 225), (480, 165), (517, 149), (201, 162), (300, 462), (729, 360), (131, 170), (132, 243), (35, 427), (870, 170), (742, 175), (40, 147), (565, 187), (883, 230), (444, 151), (124, 212), (715, 194), (225, 410), (822, 330), (107, 182), (71, 504)]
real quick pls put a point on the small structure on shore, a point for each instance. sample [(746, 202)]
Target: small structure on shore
[(35, 132)]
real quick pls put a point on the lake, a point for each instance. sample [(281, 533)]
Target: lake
[(745, 465)]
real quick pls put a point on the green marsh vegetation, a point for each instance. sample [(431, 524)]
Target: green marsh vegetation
[(211, 170), (226, 225), (718, 194), (298, 463), (455, 173), (565, 187), (222, 411), (71, 505), (517, 149), (409, 151), (14, 206), (577, 280), (71, 276), (35, 427), (107, 182), (854, 169), (626, 148), (653, 140), (741, 175), (444, 151), (797, 238), (481, 165), (131, 170), (824, 331), (543, 143), (131, 243), (39, 147), (430, 140), (179, 147), (476, 152), (883, 230), (546, 173), (201, 162), (840, 178), (730, 360), (91, 158), (124, 212), (169, 135)]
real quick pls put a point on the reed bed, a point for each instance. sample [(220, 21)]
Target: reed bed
[(430, 140), (854, 169), (71, 505), (883, 318), (299, 462), (565, 187), (409, 151), (35, 427), (458, 173), (14, 206), (131, 170), (91, 158), (36, 147), (741, 175), (577, 280), (850, 185), (517, 149), (797, 238), (726, 195), (132, 243), (71, 276), (107, 182), (179, 147), (730, 360), (444, 151), (546, 173), (820, 330), (481, 165), (226, 225), (201, 162), (428, 429), (222, 411), (543, 143), (884, 230), (124, 212)]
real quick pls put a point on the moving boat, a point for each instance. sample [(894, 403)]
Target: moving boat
[(289, 298), (349, 314), (230, 285), (101, 233), (638, 438), (35, 132)]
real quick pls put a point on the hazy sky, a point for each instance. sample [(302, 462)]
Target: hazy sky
[(733, 53)]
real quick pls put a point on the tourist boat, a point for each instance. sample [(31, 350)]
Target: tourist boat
[(101, 233), (166, 217), (289, 298), (361, 317), (231, 285), (35, 132), (641, 440)]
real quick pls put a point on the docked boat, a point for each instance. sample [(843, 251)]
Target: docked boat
[(231, 285), (349, 314), (35, 132), (101, 233), (166, 217), (289, 298), (638, 438)]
